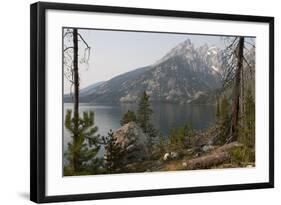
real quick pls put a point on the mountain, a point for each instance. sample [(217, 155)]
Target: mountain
[(84, 92), (90, 89), (186, 74)]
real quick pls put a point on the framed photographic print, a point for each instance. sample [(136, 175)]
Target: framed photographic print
[(129, 102)]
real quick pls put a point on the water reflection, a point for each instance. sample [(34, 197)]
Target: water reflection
[(165, 117)]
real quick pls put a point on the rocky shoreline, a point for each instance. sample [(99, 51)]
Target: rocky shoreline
[(204, 154)]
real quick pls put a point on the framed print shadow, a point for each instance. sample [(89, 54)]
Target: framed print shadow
[(129, 102)]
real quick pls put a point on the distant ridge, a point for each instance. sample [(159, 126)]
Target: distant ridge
[(186, 74)]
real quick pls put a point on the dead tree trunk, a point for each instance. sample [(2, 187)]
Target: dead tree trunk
[(215, 158), (76, 74), (76, 96), (236, 91), (242, 109)]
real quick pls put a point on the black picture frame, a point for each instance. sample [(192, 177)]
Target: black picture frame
[(38, 101)]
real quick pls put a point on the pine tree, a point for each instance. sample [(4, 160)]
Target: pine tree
[(82, 151), (189, 133), (181, 137), (224, 120), (144, 113), (250, 109), (161, 144), (176, 138), (113, 154), (248, 132), (129, 116)]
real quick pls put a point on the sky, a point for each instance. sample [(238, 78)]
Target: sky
[(117, 52)]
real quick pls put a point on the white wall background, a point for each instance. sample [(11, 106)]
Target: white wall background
[(14, 103)]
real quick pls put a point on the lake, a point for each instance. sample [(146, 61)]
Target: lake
[(165, 116)]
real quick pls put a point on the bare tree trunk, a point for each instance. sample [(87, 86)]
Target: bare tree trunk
[(236, 91), (76, 95), (76, 74), (242, 110), (216, 157)]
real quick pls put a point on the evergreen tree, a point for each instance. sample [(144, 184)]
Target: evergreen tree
[(181, 137), (81, 152), (250, 109), (247, 133), (224, 120), (144, 113), (129, 116), (189, 133), (177, 138), (113, 154), (161, 144)]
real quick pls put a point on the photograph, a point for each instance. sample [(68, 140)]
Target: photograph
[(145, 101), (135, 102)]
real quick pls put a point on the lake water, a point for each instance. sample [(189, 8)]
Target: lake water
[(165, 116)]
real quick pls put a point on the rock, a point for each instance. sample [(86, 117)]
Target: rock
[(166, 156), (197, 154), (132, 141), (207, 148), (174, 155), (170, 156), (190, 151), (208, 137), (184, 164), (130, 147)]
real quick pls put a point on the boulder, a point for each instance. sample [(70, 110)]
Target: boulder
[(250, 165), (166, 156), (133, 143), (170, 156), (207, 148), (174, 155)]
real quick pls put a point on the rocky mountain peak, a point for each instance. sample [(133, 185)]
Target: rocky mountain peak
[(185, 48), (186, 74), (185, 45)]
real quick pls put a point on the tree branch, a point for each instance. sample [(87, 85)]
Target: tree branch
[(250, 44), (84, 41), (68, 48)]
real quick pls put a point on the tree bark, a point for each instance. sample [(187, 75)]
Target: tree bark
[(236, 91), (242, 103), (207, 161), (76, 74), (76, 96), (217, 157)]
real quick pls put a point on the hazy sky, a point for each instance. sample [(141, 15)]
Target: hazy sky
[(117, 52)]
